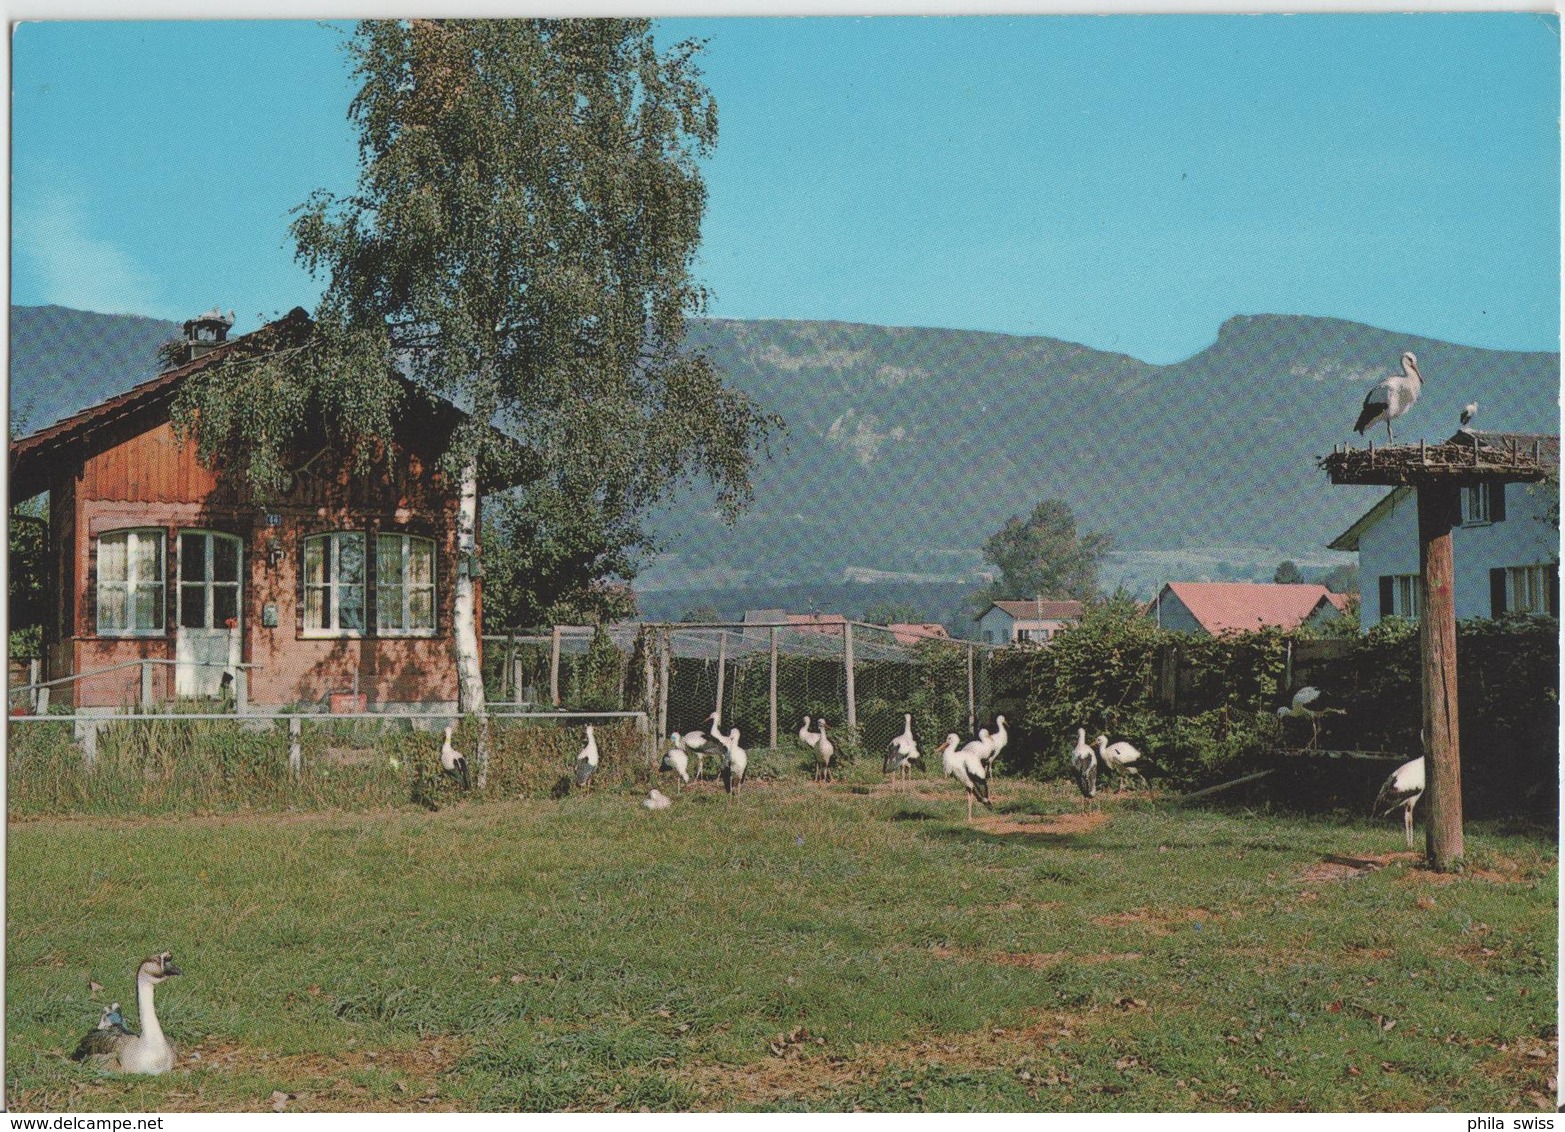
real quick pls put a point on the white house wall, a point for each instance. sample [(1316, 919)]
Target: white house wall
[(998, 622), (1526, 538), (1174, 615)]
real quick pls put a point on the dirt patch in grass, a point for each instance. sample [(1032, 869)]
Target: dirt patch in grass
[(1033, 960), (1156, 920), (1056, 825), (208, 1079), (1531, 1067)]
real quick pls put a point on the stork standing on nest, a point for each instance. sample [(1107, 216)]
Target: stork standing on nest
[(1469, 411), (902, 751), (1391, 398), (967, 767), (1084, 765), (1404, 788)]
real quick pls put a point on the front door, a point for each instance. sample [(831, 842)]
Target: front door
[(206, 643)]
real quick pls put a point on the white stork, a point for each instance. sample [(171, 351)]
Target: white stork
[(657, 800), (1119, 758), (1404, 788), (736, 760), (1084, 765), (998, 738), (587, 761), (678, 761), (452, 761), (1469, 411), (967, 767), (824, 750), (807, 738), (903, 750), (696, 740), (1392, 397), (1300, 709)]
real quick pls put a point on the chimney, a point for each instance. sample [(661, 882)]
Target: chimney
[(206, 332)]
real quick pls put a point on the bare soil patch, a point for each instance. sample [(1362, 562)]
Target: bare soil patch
[(1055, 825)]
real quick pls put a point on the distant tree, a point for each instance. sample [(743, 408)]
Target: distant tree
[(1288, 575), (1043, 556), (701, 614), (892, 613), (1342, 579)]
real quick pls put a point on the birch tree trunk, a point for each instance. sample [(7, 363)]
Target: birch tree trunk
[(469, 674)]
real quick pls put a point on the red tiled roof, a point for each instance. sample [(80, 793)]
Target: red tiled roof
[(827, 623), (911, 633), (1035, 610), (1222, 607)]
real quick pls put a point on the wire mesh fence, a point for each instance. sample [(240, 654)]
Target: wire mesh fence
[(763, 677)]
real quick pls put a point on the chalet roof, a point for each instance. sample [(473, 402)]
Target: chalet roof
[(35, 456), (1036, 609), (1221, 607), (1548, 448)]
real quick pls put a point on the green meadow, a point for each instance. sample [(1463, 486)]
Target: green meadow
[(799, 947)]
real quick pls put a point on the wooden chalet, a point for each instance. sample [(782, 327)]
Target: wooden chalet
[(339, 593)]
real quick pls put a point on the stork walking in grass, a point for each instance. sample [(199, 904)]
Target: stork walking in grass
[(1391, 398), (995, 742), (1084, 766), (452, 761), (1120, 758), (695, 742), (967, 767), (735, 760), (677, 760), (825, 750), (1403, 789), (808, 739), (903, 751), (587, 761)]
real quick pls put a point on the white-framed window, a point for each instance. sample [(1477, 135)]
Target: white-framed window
[(1527, 589), (404, 585), (1404, 596), (1477, 505), (334, 584), (131, 578), (208, 580)]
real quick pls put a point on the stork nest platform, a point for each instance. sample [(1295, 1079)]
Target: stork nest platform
[(1465, 458)]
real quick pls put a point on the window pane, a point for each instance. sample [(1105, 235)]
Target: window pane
[(315, 560), (388, 607), (147, 556), (192, 558), (225, 559), (147, 608), (421, 562), (111, 606), (388, 559), (111, 558), (315, 608), (225, 606), (350, 608), (421, 609), (192, 606), (350, 558)]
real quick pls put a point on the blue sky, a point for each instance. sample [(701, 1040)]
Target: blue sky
[(1124, 182)]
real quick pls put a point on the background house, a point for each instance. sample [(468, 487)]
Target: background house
[(343, 584), (1505, 547), (1240, 607), (1033, 621)]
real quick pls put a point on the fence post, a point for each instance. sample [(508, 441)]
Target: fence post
[(295, 755), (146, 685), (772, 693), (90, 745), (664, 647), (241, 690), (847, 661), (722, 670), (41, 705), (554, 668), (972, 703), (649, 692), (35, 677), (509, 676)]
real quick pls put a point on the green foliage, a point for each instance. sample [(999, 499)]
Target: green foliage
[(1342, 579), (1288, 574), (28, 570), (893, 613), (1043, 556)]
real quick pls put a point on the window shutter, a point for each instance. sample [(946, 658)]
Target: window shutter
[(1554, 590), (1497, 591), (1497, 502), (1385, 595)]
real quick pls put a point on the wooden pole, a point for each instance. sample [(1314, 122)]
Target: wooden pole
[(772, 694), (554, 668), (722, 671), (847, 661), (1437, 651), (664, 647), (295, 752), (649, 695), (972, 702)]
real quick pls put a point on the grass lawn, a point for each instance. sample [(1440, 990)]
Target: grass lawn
[(801, 947)]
